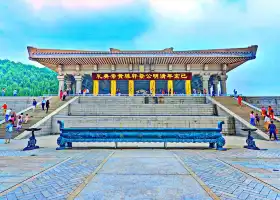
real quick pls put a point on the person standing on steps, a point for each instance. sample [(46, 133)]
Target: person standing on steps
[(239, 100), (272, 130), (252, 119), (60, 95), (266, 123), (4, 107), (47, 106), (3, 92), (43, 103), (257, 119)]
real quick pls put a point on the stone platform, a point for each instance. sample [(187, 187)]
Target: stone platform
[(88, 173)]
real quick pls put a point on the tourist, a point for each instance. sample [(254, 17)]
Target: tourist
[(43, 103), (272, 130), (34, 104), (19, 124), (239, 100), (252, 119), (257, 119), (4, 107), (15, 92), (3, 92), (14, 117), (266, 122), (270, 112), (47, 106), (21, 115), (60, 95), (235, 93), (264, 113), (194, 91), (26, 119), (64, 95), (213, 93), (204, 91), (9, 131), (7, 114), (87, 91)]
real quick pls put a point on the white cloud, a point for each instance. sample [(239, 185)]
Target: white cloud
[(176, 20), (73, 5)]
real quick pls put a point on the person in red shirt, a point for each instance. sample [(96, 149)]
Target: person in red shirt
[(4, 107), (239, 100)]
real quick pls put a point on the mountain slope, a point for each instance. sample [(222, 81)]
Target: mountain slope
[(27, 79)]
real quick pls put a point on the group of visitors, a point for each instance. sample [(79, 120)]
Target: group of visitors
[(15, 92), (14, 121), (268, 117)]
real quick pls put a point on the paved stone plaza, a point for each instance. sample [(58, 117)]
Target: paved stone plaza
[(89, 173)]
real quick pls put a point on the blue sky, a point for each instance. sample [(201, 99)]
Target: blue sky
[(150, 24)]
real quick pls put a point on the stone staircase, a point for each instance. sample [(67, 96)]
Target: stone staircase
[(243, 112), (181, 111), (35, 116)]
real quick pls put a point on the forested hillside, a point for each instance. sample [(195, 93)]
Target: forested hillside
[(27, 79)]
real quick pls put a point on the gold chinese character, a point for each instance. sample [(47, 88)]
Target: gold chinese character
[(120, 76), (162, 76), (141, 76), (98, 76), (155, 76), (170, 76), (113, 76), (106, 76), (148, 76), (184, 76), (134, 76), (177, 76), (127, 76)]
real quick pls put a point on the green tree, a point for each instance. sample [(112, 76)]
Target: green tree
[(28, 80)]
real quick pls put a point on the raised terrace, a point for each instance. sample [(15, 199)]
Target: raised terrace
[(181, 112)]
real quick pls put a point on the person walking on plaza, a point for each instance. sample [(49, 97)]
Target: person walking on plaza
[(47, 106), (9, 131), (34, 104), (4, 107), (15, 92), (272, 130), (252, 119), (43, 103), (239, 100)]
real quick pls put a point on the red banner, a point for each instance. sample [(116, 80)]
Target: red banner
[(141, 76)]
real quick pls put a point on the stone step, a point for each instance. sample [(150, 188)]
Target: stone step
[(141, 100), (146, 121), (35, 116), (243, 112), (142, 109)]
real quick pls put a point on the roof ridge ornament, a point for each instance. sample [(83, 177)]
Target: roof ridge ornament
[(168, 50), (113, 50)]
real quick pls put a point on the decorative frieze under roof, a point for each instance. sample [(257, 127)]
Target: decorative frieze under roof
[(233, 57)]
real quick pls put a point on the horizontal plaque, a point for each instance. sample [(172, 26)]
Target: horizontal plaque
[(141, 76)]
